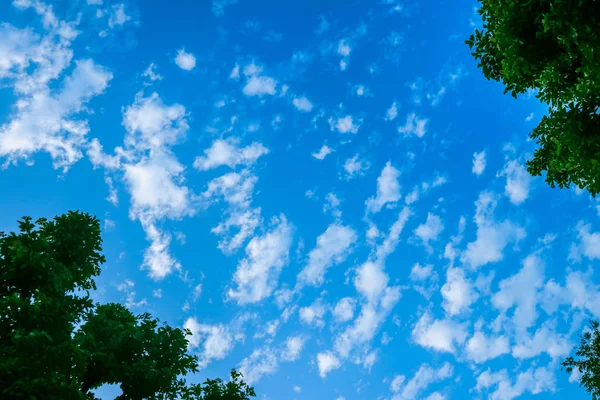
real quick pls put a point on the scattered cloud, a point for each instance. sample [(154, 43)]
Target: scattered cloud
[(257, 275), (323, 152), (333, 246), (388, 189), (414, 125), (479, 163), (185, 61)]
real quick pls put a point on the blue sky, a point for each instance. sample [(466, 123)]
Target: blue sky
[(329, 195)]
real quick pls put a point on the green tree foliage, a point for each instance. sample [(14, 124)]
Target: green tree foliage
[(55, 343), (553, 48), (587, 360)]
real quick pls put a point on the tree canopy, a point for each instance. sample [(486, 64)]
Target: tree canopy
[(587, 360), (551, 48), (55, 343)]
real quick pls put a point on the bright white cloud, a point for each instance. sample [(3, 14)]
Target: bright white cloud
[(345, 124), (333, 246), (388, 189), (257, 275), (236, 190), (521, 291), (479, 163), (302, 104), (481, 348), (391, 112), (371, 281), (257, 84), (227, 152), (118, 16), (344, 309), (45, 121), (430, 230), (151, 73), (589, 243), (313, 314), (323, 152), (492, 236), (544, 340), (518, 181), (327, 362), (414, 125), (421, 272), (261, 362), (293, 347), (534, 381), (423, 378), (354, 167), (458, 292), (439, 335), (185, 61), (211, 342)]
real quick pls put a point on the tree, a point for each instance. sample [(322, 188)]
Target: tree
[(588, 360), (550, 47), (55, 343)]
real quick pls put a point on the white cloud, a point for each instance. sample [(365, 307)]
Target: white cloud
[(302, 104), (423, 378), (323, 152), (185, 61), (575, 376), (370, 318), (227, 152), (43, 121), (414, 125), (534, 381), (333, 246), (151, 73), (391, 112), (544, 340), (430, 230), (478, 163), (421, 272), (332, 204), (355, 167), (261, 362), (153, 175), (327, 362), (257, 84), (344, 48), (391, 241), (118, 16), (589, 243), (236, 190), (212, 342), (458, 292), (520, 291), (313, 314), (518, 181), (440, 335), (578, 293), (293, 347), (361, 90), (492, 236), (481, 348), (371, 281), (345, 124), (388, 189), (235, 72), (257, 275), (344, 309)]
